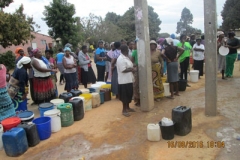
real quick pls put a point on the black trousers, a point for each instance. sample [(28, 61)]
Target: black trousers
[(100, 73), (184, 67)]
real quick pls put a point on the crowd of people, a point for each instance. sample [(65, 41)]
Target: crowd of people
[(116, 62)]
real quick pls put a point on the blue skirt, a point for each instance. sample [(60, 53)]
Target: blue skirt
[(71, 81), (6, 105)]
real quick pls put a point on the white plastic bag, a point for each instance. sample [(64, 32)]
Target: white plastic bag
[(166, 122)]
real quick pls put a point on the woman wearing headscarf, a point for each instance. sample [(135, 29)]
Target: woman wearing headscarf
[(171, 54), (115, 55), (233, 44), (6, 104), (184, 58), (198, 56), (19, 53), (221, 59), (125, 80), (42, 83), (69, 64), (20, 77), (157, 64), (87, 74)]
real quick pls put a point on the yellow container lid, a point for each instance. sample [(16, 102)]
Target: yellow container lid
[(108, 86), (86, 95)]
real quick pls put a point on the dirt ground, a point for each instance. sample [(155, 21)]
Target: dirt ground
[(104, 134)]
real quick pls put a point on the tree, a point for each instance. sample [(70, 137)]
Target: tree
[(230, 15), (112, 17), (184, 25), (16, 28), (127, 23), (59, 18), (5, 3), (95, 28)]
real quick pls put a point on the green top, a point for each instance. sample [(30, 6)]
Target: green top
[(187, 50), (135, 55)]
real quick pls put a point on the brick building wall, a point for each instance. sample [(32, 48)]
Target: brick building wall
[(39, 42)]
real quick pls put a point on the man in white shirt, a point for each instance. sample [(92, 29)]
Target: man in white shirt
[(198, 56)]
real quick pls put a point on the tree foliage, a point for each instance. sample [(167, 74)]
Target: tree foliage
[(5, 3), (59, 18), (230, 15), (95, 28), (15, 28), (127, 23), (184, 25)]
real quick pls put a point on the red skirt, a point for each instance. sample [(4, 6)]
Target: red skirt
[(43, 89)]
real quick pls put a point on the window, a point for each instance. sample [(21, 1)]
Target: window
[(43, 42)]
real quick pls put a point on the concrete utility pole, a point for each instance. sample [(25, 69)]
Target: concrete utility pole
[(143, 49), (210, 23)]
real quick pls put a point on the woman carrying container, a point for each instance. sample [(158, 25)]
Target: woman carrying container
[(19, 80), (125, 80)]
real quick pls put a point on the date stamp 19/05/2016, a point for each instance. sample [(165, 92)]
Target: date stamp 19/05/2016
[(196, 144)]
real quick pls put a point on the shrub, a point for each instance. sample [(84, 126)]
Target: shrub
[(8, 59)]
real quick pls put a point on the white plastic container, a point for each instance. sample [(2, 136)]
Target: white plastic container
[(55, 119), (1, 133), (56, 102), (194, 74), (166, 122), (97, 87), (87, 104), (153, 132), (166, 89), (95, 100), (101, 83), (83, 99), (84, 90)]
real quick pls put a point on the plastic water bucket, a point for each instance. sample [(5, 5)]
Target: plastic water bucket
[(167, 131), (55, 119), (10, 123), (194, 74), (22, 106), (166, 89), (108, 82), (164, 79), (45, 107), (66, 114), (96, 87), (1, 133), (56, 102), (26, 116), (153, 132), (43, 125), (84, 90), (88, 101), (102, 97)]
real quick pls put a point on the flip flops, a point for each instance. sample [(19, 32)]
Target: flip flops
[(126, 114)]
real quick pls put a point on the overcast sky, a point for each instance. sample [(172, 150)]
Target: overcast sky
[(169, 11)]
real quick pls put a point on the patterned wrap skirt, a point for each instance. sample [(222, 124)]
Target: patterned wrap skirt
[(44, 89), (158, 88), (6, 105)]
